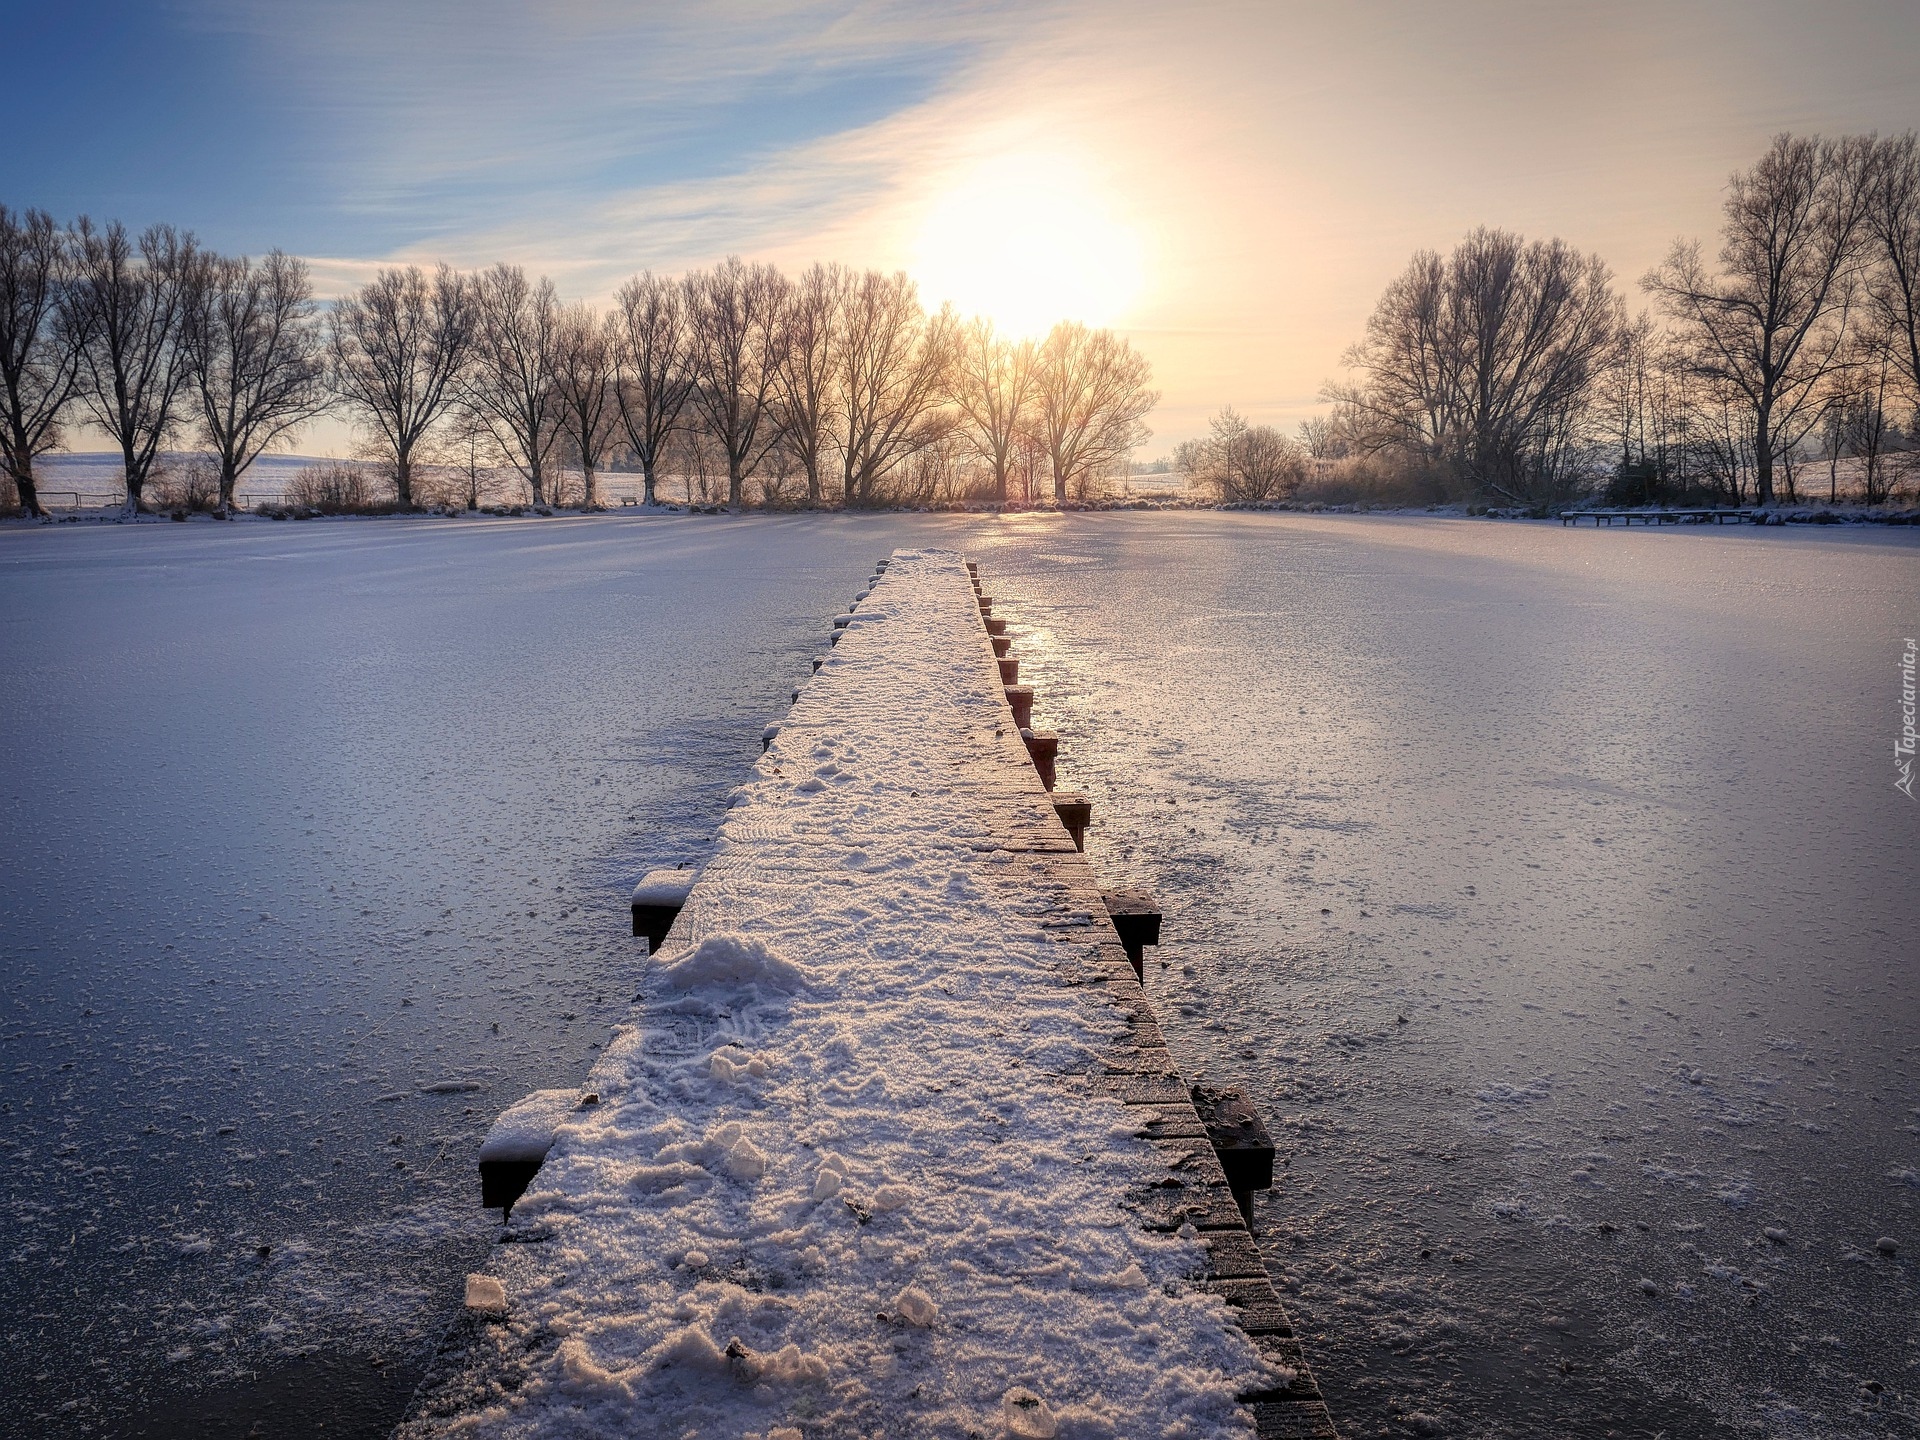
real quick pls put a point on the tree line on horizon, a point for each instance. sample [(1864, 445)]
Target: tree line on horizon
[(835, 386), (1512, 369)]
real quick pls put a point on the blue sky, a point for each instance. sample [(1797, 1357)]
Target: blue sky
[(348, 127), (1231, 182)]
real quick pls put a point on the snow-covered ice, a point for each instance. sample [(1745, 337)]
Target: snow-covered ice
[(848, 1172)]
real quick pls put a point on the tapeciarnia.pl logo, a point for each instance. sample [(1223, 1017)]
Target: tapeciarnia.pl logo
[(1903, 747)]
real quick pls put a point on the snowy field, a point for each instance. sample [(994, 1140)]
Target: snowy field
[(1547, 887)]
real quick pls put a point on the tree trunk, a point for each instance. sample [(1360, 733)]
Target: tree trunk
[(1059, 486), (538, 482), (1763, 458), (1000, 483), (135, 477), (646, 476), (29, 493), (813, 479), (589, 494), (733, 484), (229, 482), (403, 480)]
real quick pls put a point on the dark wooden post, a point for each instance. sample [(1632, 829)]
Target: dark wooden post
[(1020, 697), (1009, 670), (1076, 813), (1136, 916), (1243, 1144), (1042, 748)]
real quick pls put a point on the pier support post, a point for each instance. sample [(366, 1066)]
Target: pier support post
[(656, 903), (1076, 813), (1243, 1144), (1043, 746), (1136, 916), (1020, 697)]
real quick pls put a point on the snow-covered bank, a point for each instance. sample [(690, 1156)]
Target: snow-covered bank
[(851, 1169)]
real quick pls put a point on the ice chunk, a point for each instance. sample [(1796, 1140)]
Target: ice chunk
[(913, 1306), (524, 1131), (744, 1161), (732, 961), (664, 887), (486, 1295)]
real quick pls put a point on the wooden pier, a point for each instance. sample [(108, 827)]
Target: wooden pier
[(1054, 955)]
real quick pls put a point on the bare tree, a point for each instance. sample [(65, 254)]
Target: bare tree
[(1093, 396), (397, 347), (892, 372), (511, 384), (1771, 324), (653, 376), (1324, 437), (43, 335), (1863, 403), (736, 310), (256, 358), (993, 384), (1485, 361), (583, 373), (134, 362), (805, 394), (1893, 274), (1241, 462)]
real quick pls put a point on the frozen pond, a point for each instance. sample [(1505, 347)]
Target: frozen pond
[(1547, 888)]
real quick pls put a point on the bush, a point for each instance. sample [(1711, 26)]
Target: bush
[(336, 489), (191, 487)]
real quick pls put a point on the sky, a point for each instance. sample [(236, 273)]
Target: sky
[(1231, 185)]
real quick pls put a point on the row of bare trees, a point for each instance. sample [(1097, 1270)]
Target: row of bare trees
[(841, 376), (140, 336), (1512, 367)]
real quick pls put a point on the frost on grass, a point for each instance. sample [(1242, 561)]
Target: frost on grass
[(847, 1175)]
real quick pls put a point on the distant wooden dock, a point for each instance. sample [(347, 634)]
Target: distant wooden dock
[(914, 738)]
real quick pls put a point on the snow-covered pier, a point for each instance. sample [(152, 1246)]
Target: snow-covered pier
[(891, 1145)]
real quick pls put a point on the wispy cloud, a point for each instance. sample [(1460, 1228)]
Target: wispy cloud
[(426, 115)]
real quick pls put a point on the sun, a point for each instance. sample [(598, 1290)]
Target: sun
[(1029, 239)]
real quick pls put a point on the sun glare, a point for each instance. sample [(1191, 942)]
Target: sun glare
[(1027, 240)]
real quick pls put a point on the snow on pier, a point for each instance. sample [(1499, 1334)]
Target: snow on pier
[(873, 1156)]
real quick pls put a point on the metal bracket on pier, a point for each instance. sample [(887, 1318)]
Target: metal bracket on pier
[(1243, 1144), (1136, 916)]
